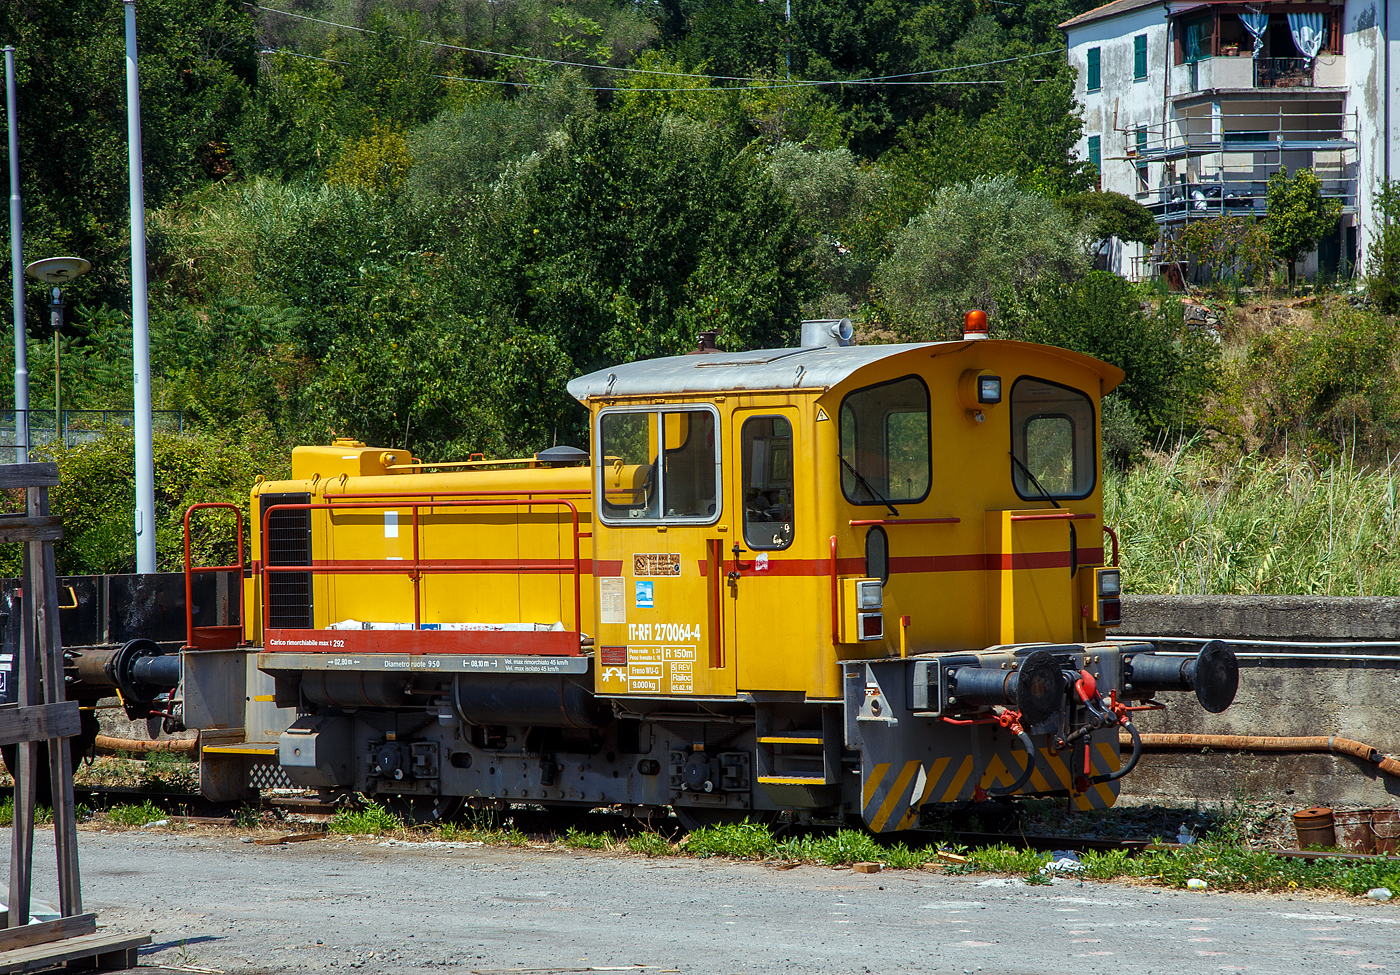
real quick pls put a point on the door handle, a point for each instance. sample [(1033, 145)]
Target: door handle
[(739, 567)]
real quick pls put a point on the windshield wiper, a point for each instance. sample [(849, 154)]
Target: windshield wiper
[(1027, 471), (873, 493)]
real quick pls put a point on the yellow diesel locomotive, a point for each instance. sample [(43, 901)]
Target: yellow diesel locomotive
[(837, 579)]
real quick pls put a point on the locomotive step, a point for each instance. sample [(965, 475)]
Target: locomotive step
[(794, 780), (786, 740)]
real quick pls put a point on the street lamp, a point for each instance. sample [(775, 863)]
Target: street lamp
[(56, 272)]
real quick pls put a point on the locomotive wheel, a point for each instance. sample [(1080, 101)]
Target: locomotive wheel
[(421, 810), (693, 818)]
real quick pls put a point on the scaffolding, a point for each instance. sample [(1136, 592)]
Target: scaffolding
[(1208, 161)]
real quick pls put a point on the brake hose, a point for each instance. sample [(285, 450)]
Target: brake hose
[(1026, 773), (1132, 761)]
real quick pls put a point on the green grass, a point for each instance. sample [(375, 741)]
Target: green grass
[(1223, 864), (372, 820), (1191, 523), (575, 839), (651, 844), (128, 815)]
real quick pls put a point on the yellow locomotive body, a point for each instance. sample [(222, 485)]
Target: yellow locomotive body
[(832, 579)]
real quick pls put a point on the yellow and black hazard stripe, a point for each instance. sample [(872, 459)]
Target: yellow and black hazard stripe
[(892, 793)]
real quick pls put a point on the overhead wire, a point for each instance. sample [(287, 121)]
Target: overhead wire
[(872, 81), (750, 87)]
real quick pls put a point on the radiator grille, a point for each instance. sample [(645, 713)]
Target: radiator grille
[(288, 542)]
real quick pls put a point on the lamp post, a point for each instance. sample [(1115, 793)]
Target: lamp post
[(56, 272)]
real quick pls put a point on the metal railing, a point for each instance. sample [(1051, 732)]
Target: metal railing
[(419, 567), (1283, 73), (77, 426)]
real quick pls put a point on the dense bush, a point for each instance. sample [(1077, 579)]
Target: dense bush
[(1383, 253), (97, 486), (1170, 368), (1330, 382), (983, 244)]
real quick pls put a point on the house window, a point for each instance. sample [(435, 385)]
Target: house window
[(1144, 184), (1194, 39), (1093, 80), (1140, 57), (1095, 151)]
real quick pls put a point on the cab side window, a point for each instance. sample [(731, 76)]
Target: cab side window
[(1052, 441), (886, 454), (658, 465), (766, 448)]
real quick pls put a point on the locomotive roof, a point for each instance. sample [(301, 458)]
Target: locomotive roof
[(764, 369)]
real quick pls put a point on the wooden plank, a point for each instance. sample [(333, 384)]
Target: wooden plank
[(65, 822), (14, 476), (43, 932), (38, 722), (31, 529), (86, 946), (22, 836)]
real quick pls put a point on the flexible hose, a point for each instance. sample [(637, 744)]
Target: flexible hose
[(1252, 743), (1132, 762), (180, 746), (1026, 772)]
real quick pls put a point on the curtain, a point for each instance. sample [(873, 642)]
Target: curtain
[(1194, 31), (1307, 34), (1256, 22)]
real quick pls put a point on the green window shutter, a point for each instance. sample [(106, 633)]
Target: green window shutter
[(1139, 57), (1141, 141), (1093, 84), (1095, 152)]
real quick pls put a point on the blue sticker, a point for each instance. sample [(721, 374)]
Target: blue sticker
[(644, 593)]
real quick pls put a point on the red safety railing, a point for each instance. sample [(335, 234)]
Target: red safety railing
[(416, 569), (211, 637)]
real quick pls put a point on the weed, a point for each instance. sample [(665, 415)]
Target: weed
[(371, 820), (1008, 859), (574, 839), (1037, 879), (743, 840), (247, 817), (900, 857), (129, 815), (651, 844), (845, 846)]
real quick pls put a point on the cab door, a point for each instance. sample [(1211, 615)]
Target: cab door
[(764, 581)]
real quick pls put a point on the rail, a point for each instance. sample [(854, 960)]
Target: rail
[(416, 569), (213, 637)]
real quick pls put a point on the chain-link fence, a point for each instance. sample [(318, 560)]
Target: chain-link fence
[(78, 426)]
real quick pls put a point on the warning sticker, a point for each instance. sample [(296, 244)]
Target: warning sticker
[(656, 564), (612, 599)]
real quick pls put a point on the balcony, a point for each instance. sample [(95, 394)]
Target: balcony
[(1243, 73), (1283, 73)]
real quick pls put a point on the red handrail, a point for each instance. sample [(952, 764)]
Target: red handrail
[(190, 570), (417, 568)]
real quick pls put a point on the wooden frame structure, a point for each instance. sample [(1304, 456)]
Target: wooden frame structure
[(28, 721)]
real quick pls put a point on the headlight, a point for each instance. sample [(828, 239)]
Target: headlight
[(869, 594), (1109, 582)]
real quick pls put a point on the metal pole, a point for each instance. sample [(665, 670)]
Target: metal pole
[(140, 324), (56, 320), (17, 267)]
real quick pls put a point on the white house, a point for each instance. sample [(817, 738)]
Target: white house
[(1189, 106)]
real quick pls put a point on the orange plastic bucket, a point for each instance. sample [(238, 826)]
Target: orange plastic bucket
[(1353, 830), (1314, 827)]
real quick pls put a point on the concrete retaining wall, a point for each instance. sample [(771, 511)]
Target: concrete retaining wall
[(1334, 690)]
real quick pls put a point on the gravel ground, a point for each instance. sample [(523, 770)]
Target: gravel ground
[(214, 902)]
